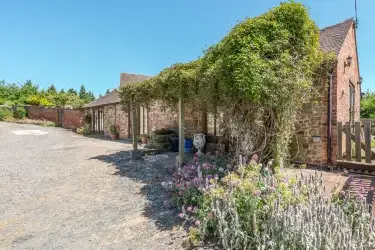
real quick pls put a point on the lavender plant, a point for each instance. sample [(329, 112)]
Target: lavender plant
[(253, 209)]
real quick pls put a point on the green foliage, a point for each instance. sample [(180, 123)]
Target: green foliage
[(29, 93), (368, 105), (5, 113), (85, 129), (113, 130), (19, 113), (252, 208), (258, 76), (39, 101)]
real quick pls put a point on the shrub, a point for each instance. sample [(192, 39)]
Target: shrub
[(19, 113), (113, 130), (85, 129), (5, 113), (39, 101), (251, 208)]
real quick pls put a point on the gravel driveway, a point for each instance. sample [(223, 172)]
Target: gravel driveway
[(59, 190)]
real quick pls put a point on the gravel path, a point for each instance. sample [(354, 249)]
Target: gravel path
[(59, 190)]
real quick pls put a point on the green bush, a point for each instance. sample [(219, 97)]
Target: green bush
[(85, 129), (19, 113), (39, 101), (5, 113)]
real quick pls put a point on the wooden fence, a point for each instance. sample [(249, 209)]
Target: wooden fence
[(357, 140)]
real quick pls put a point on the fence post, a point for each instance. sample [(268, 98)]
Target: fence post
[(348, 142), (339, 140), (368, 141), (358, 156)]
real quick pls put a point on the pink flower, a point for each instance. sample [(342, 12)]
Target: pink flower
[(180, 215), (210, 215), (197, 222), (257, 193), (195, 159), (205, 165), (372, 188), (342, 192), (189, 208), (361, 189), (181, 193)]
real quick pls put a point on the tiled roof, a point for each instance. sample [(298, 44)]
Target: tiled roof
[(110, 98), (127, 78), (332, 38), (113, 96)]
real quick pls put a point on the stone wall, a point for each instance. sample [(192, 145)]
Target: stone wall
[(115, 114), (310, 142)]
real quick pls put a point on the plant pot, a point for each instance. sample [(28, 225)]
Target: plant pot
[(113, 136), (144, 140)]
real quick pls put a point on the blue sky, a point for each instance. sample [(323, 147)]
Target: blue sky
[(69, 43)]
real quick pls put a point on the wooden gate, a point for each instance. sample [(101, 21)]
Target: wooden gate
[(98, 121), (358, 141)]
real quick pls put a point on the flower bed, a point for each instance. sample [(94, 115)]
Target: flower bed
[(249, 207)]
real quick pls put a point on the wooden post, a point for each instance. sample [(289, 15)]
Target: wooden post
[(181, 129), (339, 140), (348, 142), (358, 156), (134, 125), (368, 152)]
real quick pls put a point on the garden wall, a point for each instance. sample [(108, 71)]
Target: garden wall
[(66, 118)]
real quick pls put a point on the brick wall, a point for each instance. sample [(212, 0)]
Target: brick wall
[(313, 121), (71, 118), (49, 114), (345, 76)]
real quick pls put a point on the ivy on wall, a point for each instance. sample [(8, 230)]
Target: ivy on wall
[(258, 75)]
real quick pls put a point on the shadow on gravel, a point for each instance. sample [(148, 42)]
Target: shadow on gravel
[(151, 171)]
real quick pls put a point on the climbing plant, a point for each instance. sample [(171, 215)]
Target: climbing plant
[(257, 76)]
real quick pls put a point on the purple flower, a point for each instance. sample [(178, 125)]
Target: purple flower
[(372, 188), (342, 192), (209, 176), (205, 166), (257, 193), (189, 208), (216, 177), (180, 215), (197, 222)]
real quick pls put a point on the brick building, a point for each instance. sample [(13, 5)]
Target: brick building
[(108, 110), (338, 99)]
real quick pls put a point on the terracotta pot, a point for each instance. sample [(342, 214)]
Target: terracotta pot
[(113, 136)]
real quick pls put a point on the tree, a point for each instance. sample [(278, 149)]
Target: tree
[(100, 95), (82, 93), (90, 96), (52, 89), (107, 91), (368, 105), (62, 91), (72, 91)]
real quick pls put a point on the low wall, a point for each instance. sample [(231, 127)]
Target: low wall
[(66, 118)]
